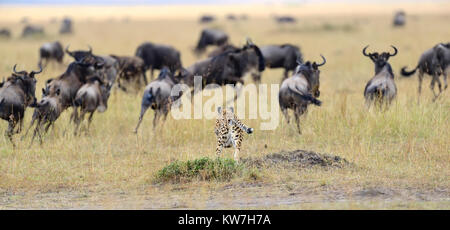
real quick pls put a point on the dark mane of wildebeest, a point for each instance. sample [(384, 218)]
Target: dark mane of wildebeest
[(399, 18), (285, 19), (92, 96), (106, 66), (300, 90), (130, 67), (381, 88), (31, 30), (222, 49), (66, 26), (226, 68), (16, 94), (157, 96), (210, 37), (51, 51), (157, 56), (46, 112), (282, 56), (207, 18), (433, 62), (4, 32)]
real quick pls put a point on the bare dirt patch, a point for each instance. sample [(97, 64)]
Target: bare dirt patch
[(298, 159)]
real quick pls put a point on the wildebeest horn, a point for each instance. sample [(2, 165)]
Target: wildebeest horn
[(324, 61), (395, 51), (33, 73), (364, 51), (67, 51), (299, 60), (14, 69), (90, 49)]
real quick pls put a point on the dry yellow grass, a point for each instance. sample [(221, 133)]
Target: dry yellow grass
[(402, 155)]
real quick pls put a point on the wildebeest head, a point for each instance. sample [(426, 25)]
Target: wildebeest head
[(312, 73), (380, 60), (27, 82), (86, 57), (251, 46)]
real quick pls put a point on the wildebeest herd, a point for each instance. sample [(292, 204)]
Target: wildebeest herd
[(88, 80)]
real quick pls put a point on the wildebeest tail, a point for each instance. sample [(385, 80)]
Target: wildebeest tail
[(406, 73), (309, 97)]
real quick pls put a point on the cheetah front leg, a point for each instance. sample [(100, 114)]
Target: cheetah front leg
[(237, 145)]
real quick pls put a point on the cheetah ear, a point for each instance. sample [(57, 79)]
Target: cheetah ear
[(231, 109), (219, 109)]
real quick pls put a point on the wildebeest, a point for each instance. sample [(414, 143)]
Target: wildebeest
[(231, 17), (51, 51), (70, 81), (300, 90), (282, 56), (157, 56), (210, 37), (16, 94), (47, 111), (130, 68), (381, 88), (106, 66), (32, 30), (399, 18), (157, 96), (66, 26), (90, 97), (285, 19), (5, 33), (226, 68), (207, 19), (432, 64)]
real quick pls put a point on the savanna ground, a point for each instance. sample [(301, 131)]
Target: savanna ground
[(400, 158)]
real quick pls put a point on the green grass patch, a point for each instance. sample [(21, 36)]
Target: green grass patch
[(219, 169)]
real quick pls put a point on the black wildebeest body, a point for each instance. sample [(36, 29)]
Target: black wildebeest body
[(157, 96), (430, 63), (285, 19), (226, 68), (5, 33), (16, 94), (106, 66), (130, 68), (207, 19), (92, 96), (66, 26), (47, 111), (32, 30), (282, 56), (159, 56), (300, 90), (51, 51), (210, 37), (381, 88), (399, 18)]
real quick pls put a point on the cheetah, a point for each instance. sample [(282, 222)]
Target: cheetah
[(229, 130)]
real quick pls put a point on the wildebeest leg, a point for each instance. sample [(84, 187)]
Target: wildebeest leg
[(90, 119), (151, 72), (37, 130), (297, 118), (285, 113), (48, 126), (74, 114), (120, 85), (78, 120), (286, 74), (31, 125), (144, 77), (433, 82), (156, 118), (143, 109), (10, 131), (445, 79), (420, 83)]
